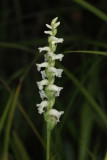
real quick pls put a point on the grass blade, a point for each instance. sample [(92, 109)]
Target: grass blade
[(9, 124), (105, 156), (16, 46), (25, 115), (4, 115), (90, 52)]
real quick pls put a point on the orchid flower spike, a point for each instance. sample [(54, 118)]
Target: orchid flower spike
[(48, 90)]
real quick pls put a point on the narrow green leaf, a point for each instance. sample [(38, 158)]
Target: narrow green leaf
[(16, 46), (105, 156), (9, 123), (4, 115), (90, 52), (92, 9), (20, 147)]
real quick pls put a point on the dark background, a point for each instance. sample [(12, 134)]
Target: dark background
[(82, 132)]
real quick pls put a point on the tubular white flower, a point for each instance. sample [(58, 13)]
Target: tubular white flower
[(39, 66), (48, 32), (56, 40), (49, 26), (42, 94), (41, 106), (55, 88), (56, 56), (56, 72), (42, 83), (44, 49), (55, 113), (43, 74)]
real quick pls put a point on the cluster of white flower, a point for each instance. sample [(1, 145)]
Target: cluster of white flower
[(50, 57)]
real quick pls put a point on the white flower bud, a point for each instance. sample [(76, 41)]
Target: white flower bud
[(56, 56), (49, 26), (56, 24), (42, 83), (42, 94), (55, 113), (39, 66), (48, 32), (41, 106), (56, 72), (43, 49)]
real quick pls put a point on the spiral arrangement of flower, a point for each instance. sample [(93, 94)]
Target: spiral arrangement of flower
[(48, 90)]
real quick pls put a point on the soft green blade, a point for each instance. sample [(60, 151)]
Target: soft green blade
[(105, 158), (6, 110), (90, 52)]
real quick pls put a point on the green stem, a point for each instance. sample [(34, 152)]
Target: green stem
[(48, 143)]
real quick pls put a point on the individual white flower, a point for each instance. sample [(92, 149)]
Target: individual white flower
[(44, 49), (42, 83), (43, 74), (55, 113), (55, 88), (49, 26), (42, 94), (41, 106), (48, 32), (39, 66), (56, 56), (56, 72), (54, 40)]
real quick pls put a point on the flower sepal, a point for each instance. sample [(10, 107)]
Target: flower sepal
[(50, 120)]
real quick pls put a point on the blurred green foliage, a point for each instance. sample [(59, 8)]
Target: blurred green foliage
[(82, 132)]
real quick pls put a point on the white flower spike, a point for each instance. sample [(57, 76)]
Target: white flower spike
[(48, 76)]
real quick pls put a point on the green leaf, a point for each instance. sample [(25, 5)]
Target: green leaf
[(9, 123), (90, 52), (105, 158), (6, 110)]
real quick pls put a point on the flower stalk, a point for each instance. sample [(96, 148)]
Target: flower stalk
[(48, 90)]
